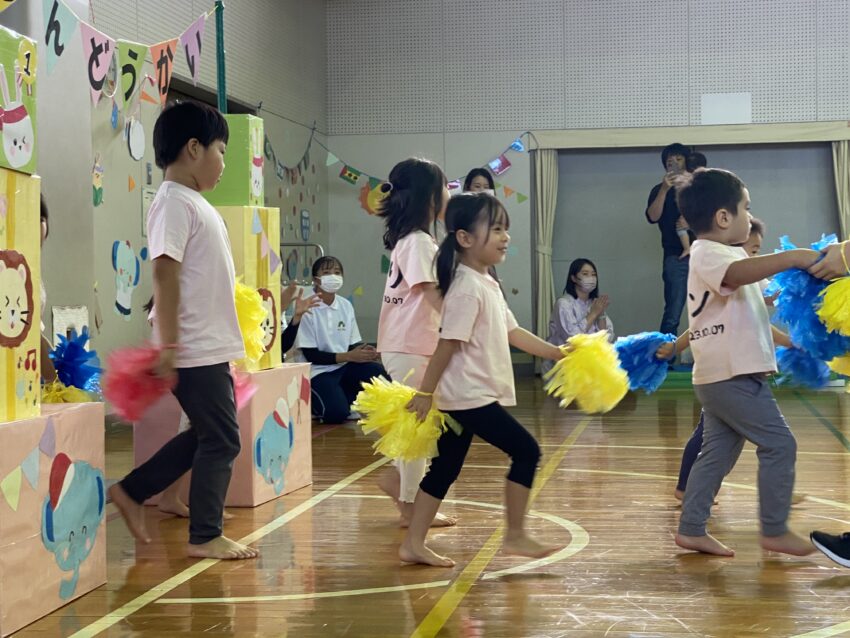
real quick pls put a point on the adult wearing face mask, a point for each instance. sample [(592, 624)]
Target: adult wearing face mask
[(478, 180), (330, 340), (581, 309)]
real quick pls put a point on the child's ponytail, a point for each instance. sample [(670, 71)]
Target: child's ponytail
[(446, 264), (416, 193)]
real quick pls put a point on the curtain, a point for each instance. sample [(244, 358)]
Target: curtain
[(544, 193), (841, 172)]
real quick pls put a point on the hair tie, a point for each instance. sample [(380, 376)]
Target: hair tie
[(387, 188)]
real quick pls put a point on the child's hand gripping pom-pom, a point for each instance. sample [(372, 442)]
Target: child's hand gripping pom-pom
[(589, 374), (250, 313), (834, 309), (75, 366), (637, 354), (383, 405), (798, 367), (130, 382), (58, 392)]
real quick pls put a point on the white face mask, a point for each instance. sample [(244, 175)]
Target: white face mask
[(588, 284), (489, 191), (330, 283)]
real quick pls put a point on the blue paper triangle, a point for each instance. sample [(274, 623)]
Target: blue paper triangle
[(256, 225), (30, 468)]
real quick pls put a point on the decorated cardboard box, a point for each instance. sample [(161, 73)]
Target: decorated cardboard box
[(242, 182), (254, 233), (20, 268), (276, 456), (52, 523), (18, 61)]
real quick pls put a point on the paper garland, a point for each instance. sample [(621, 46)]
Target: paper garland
[(10, 485)]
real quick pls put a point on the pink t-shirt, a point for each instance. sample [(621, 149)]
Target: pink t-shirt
[(410, 320), (480, 372), (729, 327), (182, 225)]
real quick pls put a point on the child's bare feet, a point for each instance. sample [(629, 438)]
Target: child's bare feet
[(132, 512), (798, 497), (422, 556), (526, 546), (390, 484), (222, 548), (679, 494), (788, 543), (706, 544), (440, 520), (173, 506), (226, 515)]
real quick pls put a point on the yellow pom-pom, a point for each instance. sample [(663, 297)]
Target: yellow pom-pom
[(58, 392), (383, 405), (250, 312), (589, 374), (840, 365), (834, 309)]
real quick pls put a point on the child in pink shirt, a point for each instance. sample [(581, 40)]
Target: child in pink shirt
[(470, 375)]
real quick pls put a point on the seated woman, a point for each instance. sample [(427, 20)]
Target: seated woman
[(581, 309), (330, 340)]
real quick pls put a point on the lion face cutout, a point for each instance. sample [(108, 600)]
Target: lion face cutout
[(271, 321), (16, 300)]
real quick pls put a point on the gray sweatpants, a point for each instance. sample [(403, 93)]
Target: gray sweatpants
[(737, 410)]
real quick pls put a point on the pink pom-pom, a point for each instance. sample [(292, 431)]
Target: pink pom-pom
[(130, 384), (244, 388)]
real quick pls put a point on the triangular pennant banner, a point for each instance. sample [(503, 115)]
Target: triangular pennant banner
[(47, 443), (144, 97), (358, 292), (30, 468), (256, 224), (518, 146), (350, 174), (5, 4), (131, 183), (163, 63), (509, 191), (11, 488), (521, 198), (274, 261), (373, 182), (131, 57), (332, 159), (264, 246), (191, 40), (98, 50), (60, 23)]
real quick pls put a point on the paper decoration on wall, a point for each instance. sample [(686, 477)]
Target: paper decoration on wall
[(127, 272), (47, 442), (372, 194), (508, 191), (60, 23), (292, 265), (98, 49), (358, 292), (163, 63), (191, 40), (264, 246), (454, 185), (5, 4), (29, 466), (131, 57), (15, 121), (256, 224), (97, 181), (11, 488), (350, 174), (28, 63), (385, 264), (274, 261), (331, 160), (520, 198), (135, 133), (131, 184), (305, 225), (98, 314), (113, 119), (148, 195), (67, 319), (499, 165), (16, 289), (518, 146)]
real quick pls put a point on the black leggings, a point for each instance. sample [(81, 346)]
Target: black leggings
[(498, 428)]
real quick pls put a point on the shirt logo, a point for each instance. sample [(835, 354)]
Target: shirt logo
[(702, 304)]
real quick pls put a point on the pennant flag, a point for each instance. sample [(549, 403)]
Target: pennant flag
[(163, 61), (453, 185), (5, 4), (332, 159), (191, 40), (350, 174), (358, 292), (47, 444), (60, 23), (256, 224), (374, 182), (498, 185), (305, 389), (11, 488), (521, 198), (131, 183), (144, 97), (518, 146), (30, 468), (499, 165), (385, 264), (274, 262), (264, 246), (509, 191), (98, 50), (131, 57)]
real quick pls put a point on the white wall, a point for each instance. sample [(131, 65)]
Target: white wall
[(602, 197)]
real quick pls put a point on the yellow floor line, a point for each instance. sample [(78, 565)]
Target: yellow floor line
[(187, 574), (449, 601)]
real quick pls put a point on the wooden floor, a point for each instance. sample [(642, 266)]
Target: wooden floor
[(329, 567)]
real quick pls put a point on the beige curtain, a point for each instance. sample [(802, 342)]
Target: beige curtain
[(544, 167), (841, 172)]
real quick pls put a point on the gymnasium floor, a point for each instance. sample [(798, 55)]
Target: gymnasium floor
[(329, 568)]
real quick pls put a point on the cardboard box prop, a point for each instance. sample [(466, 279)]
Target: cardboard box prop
[(276, 456), (20, 277), (242, 183), (52, 522), (252, 229), (18, 63)]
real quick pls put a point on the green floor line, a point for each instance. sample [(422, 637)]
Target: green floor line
[(824, 421)]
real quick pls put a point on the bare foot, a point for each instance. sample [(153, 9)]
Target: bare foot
[(788, 543), (706, 544), (528, 547), (390, 484), (222, 548), (422, 556), (440, 520), (226, 515), (173, 506), (798, 497), (132, 512), (679, 494)]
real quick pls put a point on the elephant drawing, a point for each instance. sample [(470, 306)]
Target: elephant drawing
[(71, 515), (273, 445)]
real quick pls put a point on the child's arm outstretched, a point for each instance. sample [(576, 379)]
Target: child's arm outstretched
[(753, 269), (532, 344), (421, 403)]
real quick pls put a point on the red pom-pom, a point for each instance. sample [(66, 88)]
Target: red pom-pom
[(243, 387), (130, 384)]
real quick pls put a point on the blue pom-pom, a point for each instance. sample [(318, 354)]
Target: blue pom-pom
[(75, 366), (798, 367), (637, 357)]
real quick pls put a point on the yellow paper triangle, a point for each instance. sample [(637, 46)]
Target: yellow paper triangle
[(358, 292), (11, 487), (131, 183), (509, 191)]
